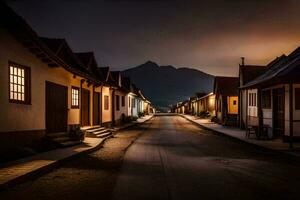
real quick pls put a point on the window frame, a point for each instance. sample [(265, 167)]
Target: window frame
[(234, 102), (78, 89), (27, 83)]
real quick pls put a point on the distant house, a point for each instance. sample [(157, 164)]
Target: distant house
[(226, 95), (274, 98), (120, 100), (193, 107), (206, 105), (246, 74)]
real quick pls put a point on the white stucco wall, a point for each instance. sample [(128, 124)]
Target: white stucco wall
[(123, 109), (106, 114), (16, 117)]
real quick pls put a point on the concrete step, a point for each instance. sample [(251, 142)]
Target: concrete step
[(95, 129), (90, 127), (102, 131), (104, 135)]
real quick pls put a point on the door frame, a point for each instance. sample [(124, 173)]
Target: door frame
[(81, 107), (49, 83), (98, 110), (275, 112)]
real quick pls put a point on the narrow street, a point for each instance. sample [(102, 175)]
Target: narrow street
[(168, 158)]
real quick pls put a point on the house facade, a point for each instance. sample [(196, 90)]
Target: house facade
[(47, 88), (248, 73), (206, 105), (226, 96), (42, 86), (273, 98)]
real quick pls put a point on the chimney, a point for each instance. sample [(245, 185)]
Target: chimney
[(243, 61)]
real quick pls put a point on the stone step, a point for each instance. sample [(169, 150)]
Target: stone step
[(104, 135), (95, 129), (102, 131), (90, 127)]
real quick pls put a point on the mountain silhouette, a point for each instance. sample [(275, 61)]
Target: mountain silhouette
[(166, 85)]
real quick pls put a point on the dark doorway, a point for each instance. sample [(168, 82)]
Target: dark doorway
[(56, 108), (278, 112), (85, 107), (96, 108)]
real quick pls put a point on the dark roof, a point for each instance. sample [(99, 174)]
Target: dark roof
[(103, 73), (250, 72), (226, 86), (45, 49), (282, 69), (89, 61), (61, 49), (115, 75), (126, 83), (85, 57)]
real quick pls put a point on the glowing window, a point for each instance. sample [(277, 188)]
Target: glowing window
[(75, 97), (19, 84)]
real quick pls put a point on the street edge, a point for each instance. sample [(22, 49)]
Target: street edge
[(240, 140), (34, 174)]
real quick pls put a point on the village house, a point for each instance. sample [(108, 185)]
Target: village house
[(50, 90), (246, 74), (206, 105), (226, 95), (43, 79), (273, 101), (121, 110)]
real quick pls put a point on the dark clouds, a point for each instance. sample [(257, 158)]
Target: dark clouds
[(207, 35)]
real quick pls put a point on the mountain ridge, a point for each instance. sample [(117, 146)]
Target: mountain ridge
[(165, 85)]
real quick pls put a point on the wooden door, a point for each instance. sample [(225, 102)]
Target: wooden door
[(56, 108), (278, 112), (96, 108), (85, 107)]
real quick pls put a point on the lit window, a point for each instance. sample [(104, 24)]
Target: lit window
[(75, 97), (19, 83)]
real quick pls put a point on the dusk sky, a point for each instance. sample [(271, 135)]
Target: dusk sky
[(207, 35)]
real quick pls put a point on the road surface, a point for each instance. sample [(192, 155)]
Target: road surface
[(169, 158)]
